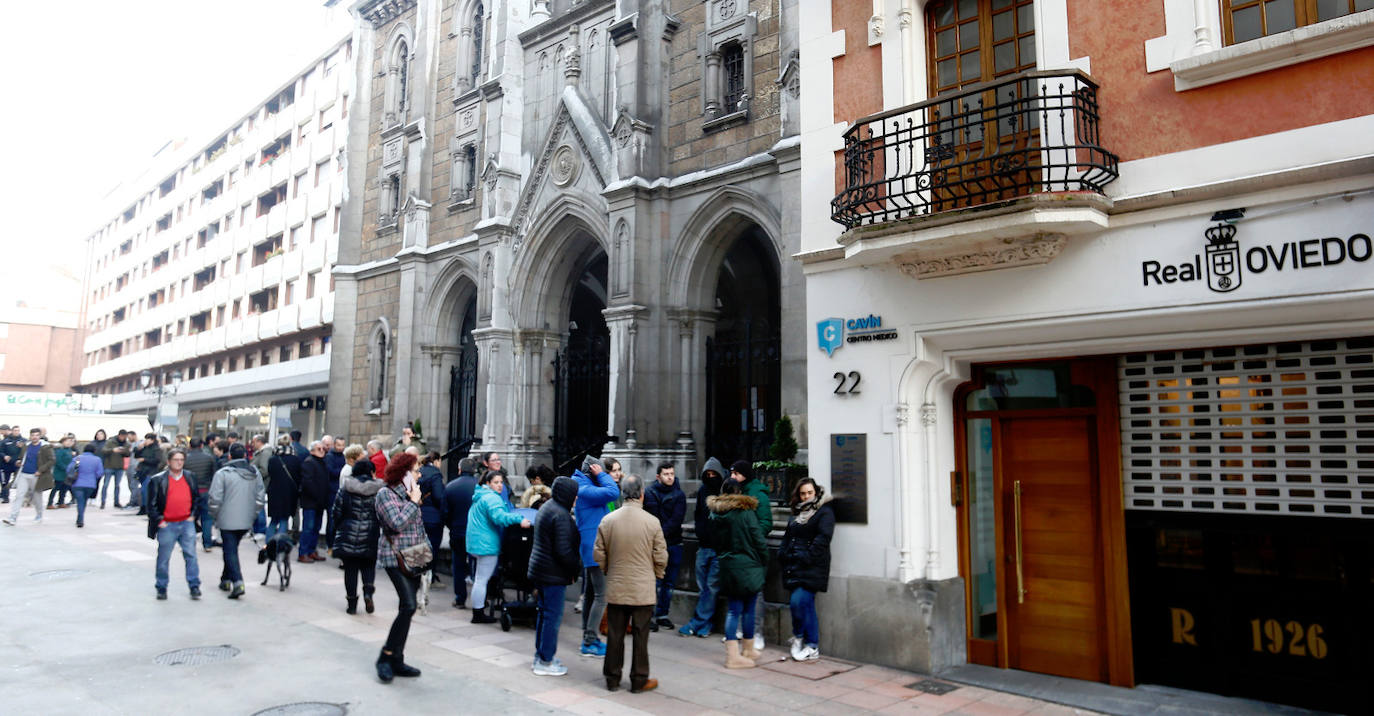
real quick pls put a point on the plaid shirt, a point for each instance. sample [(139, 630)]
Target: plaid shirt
[(401, 524)]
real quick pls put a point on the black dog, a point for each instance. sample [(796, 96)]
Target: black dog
[(277, 551)]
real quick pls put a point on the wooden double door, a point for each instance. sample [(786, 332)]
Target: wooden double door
[(1041, 525)]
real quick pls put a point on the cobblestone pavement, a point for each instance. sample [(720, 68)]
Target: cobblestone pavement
[(83, 640)]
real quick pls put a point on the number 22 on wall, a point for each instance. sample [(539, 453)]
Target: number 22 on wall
[(841, 379), (1301, 642)]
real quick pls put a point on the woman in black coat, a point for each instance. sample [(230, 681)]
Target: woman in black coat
[(432, 500), (283, 488), (356, 532), (555, 561), (805, 559), (314, 501)]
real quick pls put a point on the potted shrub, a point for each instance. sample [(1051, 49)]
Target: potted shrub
[(779, 472)]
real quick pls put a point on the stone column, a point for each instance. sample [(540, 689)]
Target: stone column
[(621, 322)]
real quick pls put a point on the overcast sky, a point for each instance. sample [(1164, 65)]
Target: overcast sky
[(95, 87)]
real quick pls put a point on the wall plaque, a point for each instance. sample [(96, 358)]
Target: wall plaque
[(849, 477)]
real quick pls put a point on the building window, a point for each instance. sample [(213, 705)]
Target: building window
[(310, 285), (378, 353), (732, 73), (728, 73), (320, 169), (219, 316), (273, 197), (290, 292), (266, 250), (266, 357), (471, 30), (968, 43), (1244, 20), (316, 228), (203, 278), (305, 349), (200, 322), (284, 354), (262, 301), (398, 83), (238, 302), (296, 185), (294, 238)]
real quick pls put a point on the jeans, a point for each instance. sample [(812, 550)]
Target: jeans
[(143, 481), (111, 476), (665, 585), (329, 517), (804, 622), (131, 480), (276, 526), (547, 623), (207, 523), (353, 568), (260, 523), (23, 485), (6, 478), (708, 584), (435, 533), (594, 590), (82, 494), (406, 589), (740, 607), (233, 570), (59, 491), (486, 566), (181, 533), (310, 532), (458, 547)]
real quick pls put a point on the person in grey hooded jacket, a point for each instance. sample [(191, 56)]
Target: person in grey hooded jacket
[(236, 495)]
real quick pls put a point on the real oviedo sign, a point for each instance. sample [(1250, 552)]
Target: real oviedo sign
[(1224, 262)]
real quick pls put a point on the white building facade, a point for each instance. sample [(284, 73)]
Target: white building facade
[(215, 273)]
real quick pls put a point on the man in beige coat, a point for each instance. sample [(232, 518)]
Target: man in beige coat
[(632, 552)]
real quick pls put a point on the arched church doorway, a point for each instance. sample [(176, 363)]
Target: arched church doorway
[(582, 371), (462, 392), (743, 368)]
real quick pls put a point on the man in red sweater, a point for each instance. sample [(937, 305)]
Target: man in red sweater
[(377, 456), (173, 498)]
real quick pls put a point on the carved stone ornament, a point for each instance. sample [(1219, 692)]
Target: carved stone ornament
[(383, 11), (725, 9), (468, 118), (490, 173), (565, 165), (391, 152), (1007, 253)]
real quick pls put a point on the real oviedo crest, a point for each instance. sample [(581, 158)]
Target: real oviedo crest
[(1223, 259)]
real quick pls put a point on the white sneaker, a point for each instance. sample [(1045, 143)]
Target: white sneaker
[(758, 641), (552, 668), (794, 645), (809, 653), (8, 521)]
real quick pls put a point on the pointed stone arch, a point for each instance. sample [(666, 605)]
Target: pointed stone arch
[(706, 237), (569, 232)]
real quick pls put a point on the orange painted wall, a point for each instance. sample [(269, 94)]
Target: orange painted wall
[(858, 74), (1143, 116)]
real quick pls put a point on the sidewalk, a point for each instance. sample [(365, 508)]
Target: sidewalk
[(83, 641)]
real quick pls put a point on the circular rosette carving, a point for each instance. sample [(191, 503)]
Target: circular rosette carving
[(565, 165)]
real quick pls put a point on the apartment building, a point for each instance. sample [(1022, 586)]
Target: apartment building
[(212, 276), (1092, 298)]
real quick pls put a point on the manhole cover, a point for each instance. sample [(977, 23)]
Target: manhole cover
[(305, 708), (195, 656), (53, 575), (939, 688)]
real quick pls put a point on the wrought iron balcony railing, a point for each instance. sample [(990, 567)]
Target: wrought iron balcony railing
[(1035, 132)]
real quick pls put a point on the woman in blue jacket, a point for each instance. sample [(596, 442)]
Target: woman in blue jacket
[(595, 489), (85, 473), (487, 518)]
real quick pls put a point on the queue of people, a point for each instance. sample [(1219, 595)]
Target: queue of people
[(623, 538)]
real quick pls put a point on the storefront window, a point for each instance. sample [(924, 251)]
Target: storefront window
[(1029, 387)]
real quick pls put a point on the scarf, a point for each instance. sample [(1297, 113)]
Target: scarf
[(807, 510)]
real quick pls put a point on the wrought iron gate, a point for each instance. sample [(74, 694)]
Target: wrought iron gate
[(581, 386), (743, 396), (462, 405)]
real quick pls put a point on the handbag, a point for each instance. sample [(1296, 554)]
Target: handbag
[(413, 560)]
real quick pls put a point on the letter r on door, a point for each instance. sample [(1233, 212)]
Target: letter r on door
[(1183, 626)]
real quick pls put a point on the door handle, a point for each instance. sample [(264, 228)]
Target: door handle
[(1020, 578)]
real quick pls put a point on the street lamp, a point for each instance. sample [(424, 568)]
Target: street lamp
[(167, 385)]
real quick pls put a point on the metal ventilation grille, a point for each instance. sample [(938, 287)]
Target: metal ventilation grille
[(1284, 429)]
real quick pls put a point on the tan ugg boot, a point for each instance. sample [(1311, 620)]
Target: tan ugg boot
[(748, 651), (733, 659)]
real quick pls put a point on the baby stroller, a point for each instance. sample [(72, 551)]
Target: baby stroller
[(512, 569)]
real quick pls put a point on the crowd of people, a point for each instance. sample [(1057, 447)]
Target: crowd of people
[(374, 505)]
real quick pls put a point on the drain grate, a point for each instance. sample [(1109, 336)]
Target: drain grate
[(305, 708), (939, 688), (195, 656), (54, 575)]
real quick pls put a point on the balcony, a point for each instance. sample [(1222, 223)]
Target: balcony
[(1014, 160)]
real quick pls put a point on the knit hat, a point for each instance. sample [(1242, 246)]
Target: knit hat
[(587, 463), (743, 468)]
